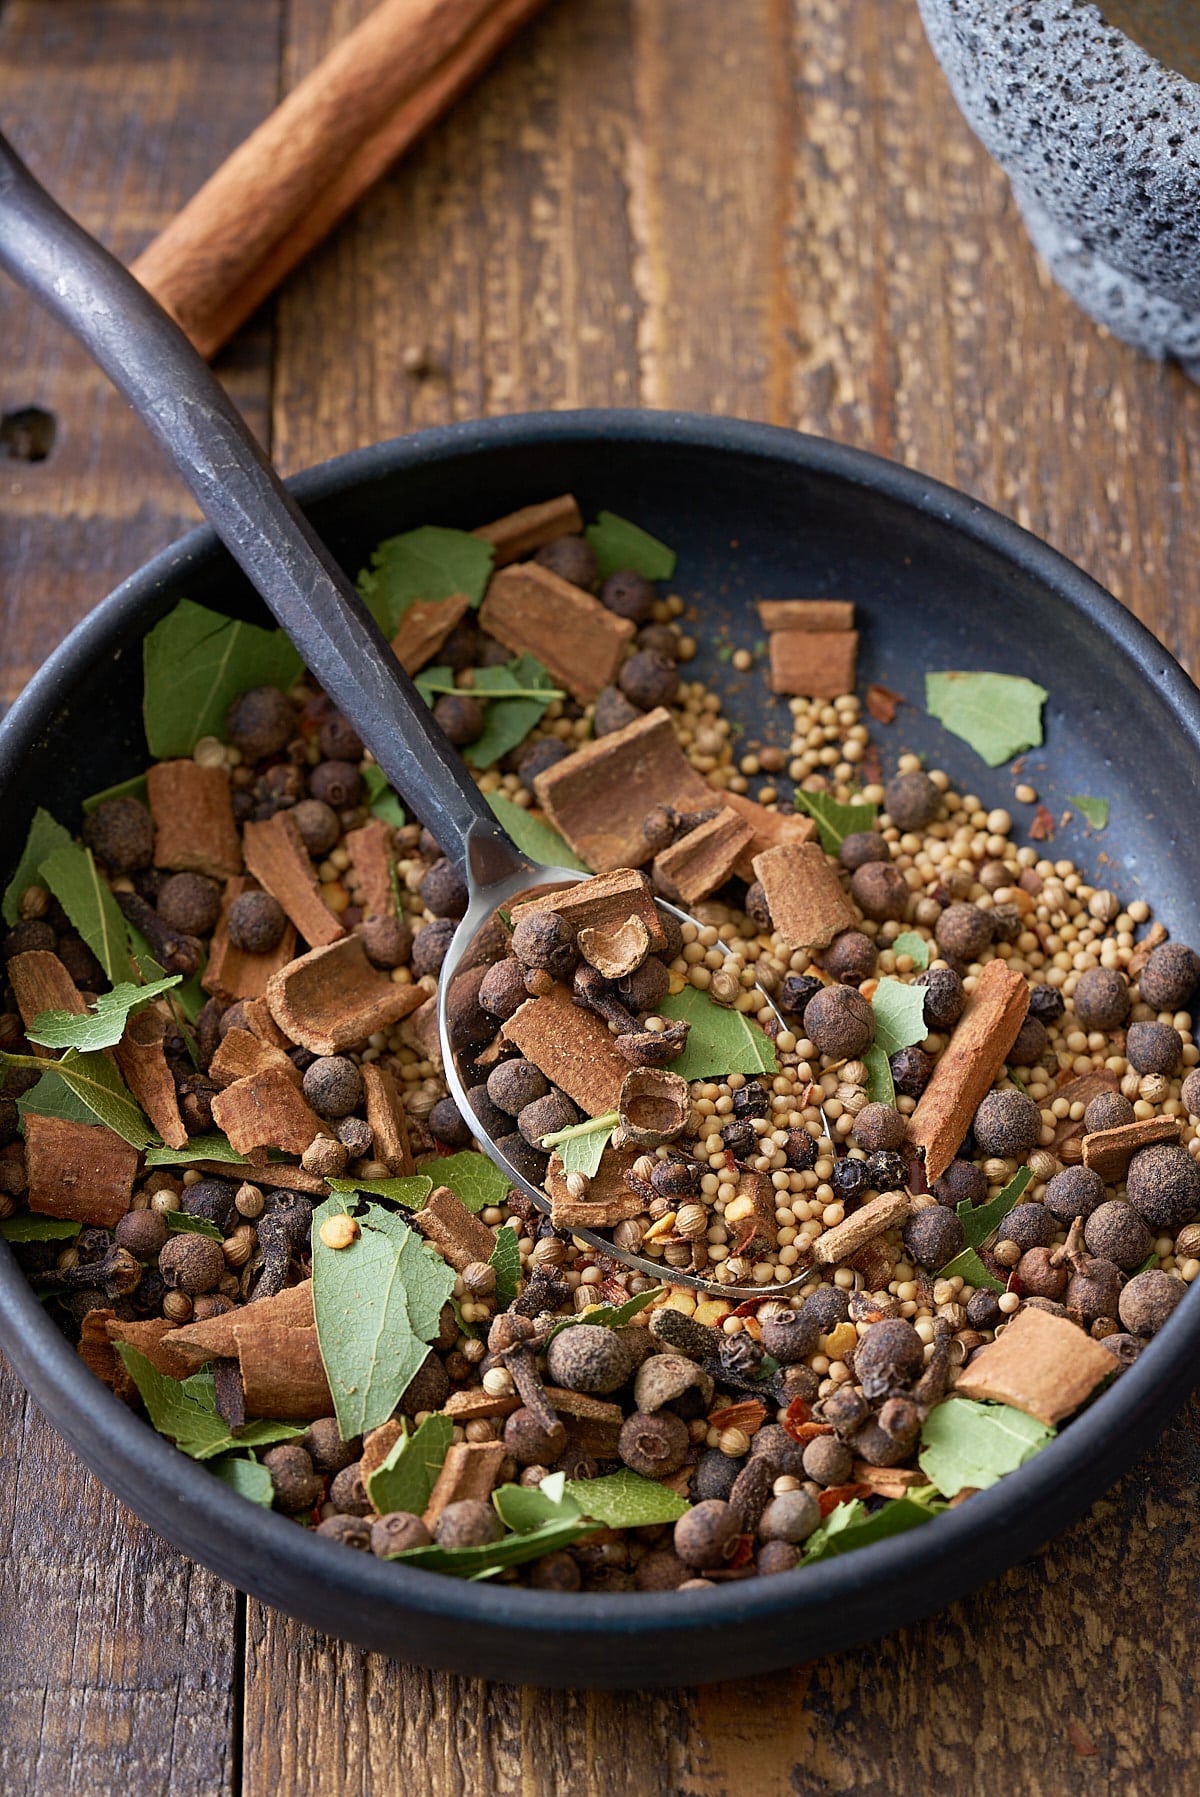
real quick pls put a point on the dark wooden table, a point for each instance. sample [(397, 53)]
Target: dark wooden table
[(764, 207)]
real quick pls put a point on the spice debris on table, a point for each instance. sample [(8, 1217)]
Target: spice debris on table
[(929, 1081)]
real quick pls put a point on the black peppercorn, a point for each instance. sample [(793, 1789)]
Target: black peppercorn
[(880, 891), (860, 847), (795, 992), (911, 801), (912, 1070), (189, 903), (849, 1178), (649, 679), (336, 783), (962, 1182), (1075, 1192), (25, 938), (800, 1151), (751, 1100), (945, 997), (571, 558), (443, 890), (677, 1179), (543, 939), (628, 594), (1007, 1123), (740, 1137), (212, 1199), (1163, 1185), (879, 1126), (1148, 1300), (431, 945), (256, 922), (850, 958), (962, 932), (932, 1237), (260, 722), (886, 1171), (1153, 1047), (120, 832), (1046, 1003), (318, 826), (514, 1084), (1169, 978), (459, 717), (840, 1022), (826, 1307), (714, 1476), (333, 1086), (1101, 999)]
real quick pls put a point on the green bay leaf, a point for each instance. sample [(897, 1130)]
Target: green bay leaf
[(1094, 810), (26, 1228), (195, 663), (471, 1176), (427, 563), (624, 1500), (534, 837), (186, 1411), (101, 1027), (915, 947), (136, 787), (247, 1477), (619, 545), (95, 1092), (998, 715), (835, 821), (979, 1221), (76, 882), (881, 1088), (45, 836), (181, 1222), (849, 1526), (720, 1040), (610, 1316), (969, 1444), (581, 1147), (408, 1475), (411, 1191), (508, 722), (506, 1258), (899, 1015), (513, 1550)]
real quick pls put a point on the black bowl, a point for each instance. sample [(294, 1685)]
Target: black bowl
[(939, 582)]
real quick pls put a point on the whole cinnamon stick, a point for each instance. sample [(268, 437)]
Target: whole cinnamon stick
[(289, 183)]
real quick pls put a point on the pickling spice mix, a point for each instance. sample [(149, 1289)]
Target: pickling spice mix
[(855, 1187)]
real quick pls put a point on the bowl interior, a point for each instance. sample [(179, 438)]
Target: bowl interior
[(939, 583)]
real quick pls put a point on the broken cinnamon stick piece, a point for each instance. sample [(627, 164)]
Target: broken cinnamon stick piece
[(517, 534), (816, 664), (40, 983), (969, 1065), (459, 1237), (78, 1170), (425, 627), (875, 1218), (231, 972), (887, 1481), (771, 830), (419, 1030), (102, 1329), (387, 1121), (704, 859), (1041, 1364), (470, 1470), (260, 1023), (806, 614), (370, 852), (266, 1110), (142, 1062), (241, 1055), (602, 903), (192, 808), (804, 895), (578, 641), (608, 1202), (572, 1047), (276, 856), (1108, 1152), (598, 797), (468, 1406), (333, 998), (275, 1344)]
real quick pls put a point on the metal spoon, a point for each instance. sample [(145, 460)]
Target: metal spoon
[(173, 391)]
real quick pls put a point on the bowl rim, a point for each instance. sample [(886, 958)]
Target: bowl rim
[(158, 1481)]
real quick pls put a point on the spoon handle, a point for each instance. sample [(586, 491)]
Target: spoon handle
[(147, 356)]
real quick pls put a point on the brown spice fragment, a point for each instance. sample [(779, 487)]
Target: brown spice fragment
[(1040, 1364), (425, 627), (241, 1055), (458, 1236), (276, 856), (1080, 1090), (771, 830), (419, 1030), (370, 852), (815, 664), (806, 614), (757, 1231), (1155, 936), (275, 1344), (608, 1201), (878, 1215), (266, 1110), (572, 1047), (602, 903), (40, 983), (467, 1406), (78, 1170), (598, 797), (517, 533), (969, 1065), (194, 831), (705, 858), (232, 973), (260, 1023), (881, 703), (875, 1265), (469, 1470), (277, 1176), (578, 641), (804, 895), (99, 1334), (618, 951), (387, 1121), (582, 1408), (1108, 1152), (1042, 827), (887, 1481), (332, 998), (377, 1445), (142, 1063)]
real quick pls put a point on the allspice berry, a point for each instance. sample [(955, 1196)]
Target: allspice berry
[(471, 1522), (1153, 1047), (120, 832), (840, 1022), (962, 1183), (189, 903), (323, 1443), (1075, 1192), (880, 891), (649, 679), (1038, 1279), (397, 1532), (1110, 1110), (850, 958), (571, 558), (793, 1515), (945, 997), (1116, 1232), (502, 991), (348, 1531), (790, 1337), (628, 594), (1030, 1045), (860, 847), (544, 939), (586, 1358), (654, 1445), (297, 1484), (1093, 1292), (1163, 1185), (459, 717), (514, 1084), (431, 946), (772, 1557), (529, 1442), (1007, 1123), (260, 722), (1170, 976), (387, 940), (1031, 1226), (827, 1460), (1101, 1000), (443, 892), (1148, 1300), (336, 783), (333, 1086), (191, 1263), (879, 1126), (911, 801), (933, 1236), (545, 1117), (963, 932), (707, 1535), (318, 826), (1191, 1092), (256, 922), (141, 1232), (891, 1353)]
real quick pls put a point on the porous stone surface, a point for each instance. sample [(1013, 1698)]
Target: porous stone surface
[(1102, 145)]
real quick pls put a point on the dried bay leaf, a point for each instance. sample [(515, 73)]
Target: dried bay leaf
[(998, 715), (899, 1015), (411, 1190), (534, 837), (720, 1040), (27, 1228), (915, 947), (46, 835), (483, 1562), (508, 721), (581, 1147), (506, 1258), (835, 821), (97, 1091), (247, 1477), (428, 563), (619, 545), (1094, 810), (471, 1176), (850, 1526), (979, 1222), (183, 1223), (76, 882), (136, 787), (969, 1444), (195, 663), (186, 1410), (408, 1475), (611, 1316), (625, 1500), (881, 1088), (101, 1027)]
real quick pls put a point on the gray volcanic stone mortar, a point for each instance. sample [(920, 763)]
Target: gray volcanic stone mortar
[(1102, 145)]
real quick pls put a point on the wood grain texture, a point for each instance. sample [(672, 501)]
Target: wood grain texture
[(637, 206)]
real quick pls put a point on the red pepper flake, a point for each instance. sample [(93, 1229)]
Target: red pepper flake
[(798, 1411), (752, 1306), (872, 767), (918, 1185), (1081, 1742), (1042, 827), (747, 1416), (840, 1494), (742, 1554), (881, 702)]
